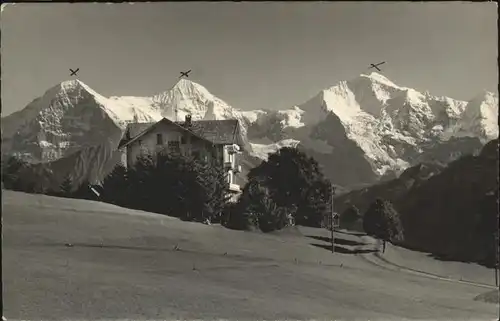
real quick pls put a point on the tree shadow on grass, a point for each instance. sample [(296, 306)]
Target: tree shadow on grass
[(343, 250), (355, 233), (240, 257), (337, 240), (455, 258), (106, 246), (448, 257)]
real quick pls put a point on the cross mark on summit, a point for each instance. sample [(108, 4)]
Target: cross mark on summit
[(73, 72), (376, 65), (185, 73)]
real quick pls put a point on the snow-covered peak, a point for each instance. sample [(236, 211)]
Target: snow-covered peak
[(484, 104), (69, 116), (389, 122), (485, 97), (71, 84), (380, 79), (479, 119), (121, 110), (251, 116), (370, 116), (79, 88), (414, 96), (263, 150), (189, 97), (185, 97), (184, 90), (62, 95), (186, 86)]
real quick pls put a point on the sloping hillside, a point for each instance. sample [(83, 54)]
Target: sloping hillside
[(67, 259), (449, 211), (390, 190), (454, 214)]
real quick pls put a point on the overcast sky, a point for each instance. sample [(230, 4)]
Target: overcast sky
[(252, 55)]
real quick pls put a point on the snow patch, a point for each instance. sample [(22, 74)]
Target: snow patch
[(253, 115), (262, 151)]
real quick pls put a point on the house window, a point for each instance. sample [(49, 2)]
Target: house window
[(183, 140), (159, 139), (141, 147), (173, 147), (226, 156)]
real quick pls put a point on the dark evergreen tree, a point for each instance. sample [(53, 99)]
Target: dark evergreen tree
[(213, 191), (115, 187), (170, 184), (41, 178), (66, 187), (142, 184), (83, 191), (483, 228), (13, 168)]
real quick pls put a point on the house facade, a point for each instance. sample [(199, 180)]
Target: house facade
[(327, 221), (216, 141)]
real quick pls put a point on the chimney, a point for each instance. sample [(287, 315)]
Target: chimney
[(187, 121)]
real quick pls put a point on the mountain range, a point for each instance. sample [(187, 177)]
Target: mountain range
[(361, 131)]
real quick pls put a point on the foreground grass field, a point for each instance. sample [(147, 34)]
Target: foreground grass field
[(74, 259)]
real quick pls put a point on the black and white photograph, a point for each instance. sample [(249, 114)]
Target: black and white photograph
[(248, 160)]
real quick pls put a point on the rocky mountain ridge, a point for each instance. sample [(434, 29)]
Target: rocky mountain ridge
[(360, 130)]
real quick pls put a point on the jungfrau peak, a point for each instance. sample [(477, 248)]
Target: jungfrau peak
[(382, 128), (360, 129)]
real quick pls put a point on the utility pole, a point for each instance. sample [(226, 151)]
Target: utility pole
[(496, 257), (332, 225), (496, 272), (497, 254)]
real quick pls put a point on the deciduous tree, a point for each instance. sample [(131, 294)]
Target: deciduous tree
[(295, 180), (383, 222)]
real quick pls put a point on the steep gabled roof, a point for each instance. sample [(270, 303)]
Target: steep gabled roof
[(147, 127), (133, 129), (225, 131), (137, 128)]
